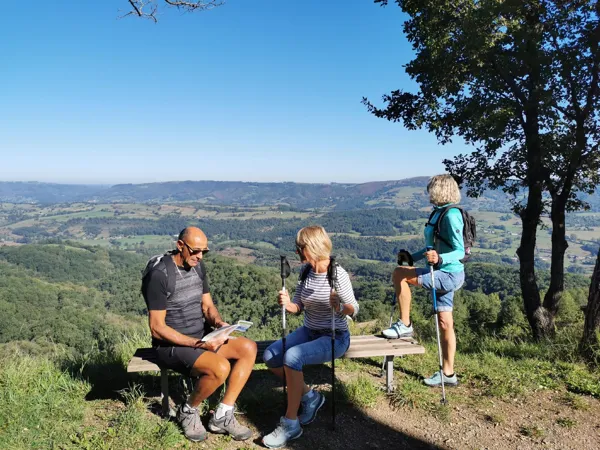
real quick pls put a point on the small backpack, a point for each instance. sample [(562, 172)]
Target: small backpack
[(469, 229), (170, 270)]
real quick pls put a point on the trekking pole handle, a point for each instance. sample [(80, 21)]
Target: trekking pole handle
[(429, 248)]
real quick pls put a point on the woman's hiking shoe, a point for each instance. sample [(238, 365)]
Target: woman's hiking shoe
[(310, 408), (190, 422), (229, 424), (398, 330), (282, 434), (435, 380)]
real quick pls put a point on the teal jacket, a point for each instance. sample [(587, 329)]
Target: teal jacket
[(452, 230)]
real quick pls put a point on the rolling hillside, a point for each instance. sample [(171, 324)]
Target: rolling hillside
[(407, 193)]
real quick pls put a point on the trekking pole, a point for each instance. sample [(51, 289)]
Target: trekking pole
[(437, 328), (285, 272), (332, 275)]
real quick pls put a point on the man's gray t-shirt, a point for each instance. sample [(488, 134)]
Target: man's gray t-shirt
[(184, 306)]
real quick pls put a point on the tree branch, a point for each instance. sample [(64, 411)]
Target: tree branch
[(192, 6), (510, 82), (138, 7), (138, 10), (595, 72), (569, 77)]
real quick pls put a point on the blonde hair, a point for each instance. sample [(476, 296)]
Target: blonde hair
[(443, 189), (316, 240)]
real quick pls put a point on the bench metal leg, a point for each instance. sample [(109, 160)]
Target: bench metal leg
[(164, 390), (389, 373)]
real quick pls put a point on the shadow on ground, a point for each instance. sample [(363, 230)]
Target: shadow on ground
[(261, 404)]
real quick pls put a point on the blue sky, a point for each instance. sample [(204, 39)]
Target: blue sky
[(254, 91)]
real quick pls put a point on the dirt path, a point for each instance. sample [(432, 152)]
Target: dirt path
[(545, 420)]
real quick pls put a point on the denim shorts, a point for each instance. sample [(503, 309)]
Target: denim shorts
[(445, 285), (305, 347)]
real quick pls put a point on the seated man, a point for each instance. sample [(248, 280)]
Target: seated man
[(177, 325)]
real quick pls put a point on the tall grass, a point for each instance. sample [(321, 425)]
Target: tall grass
[(40, 405)]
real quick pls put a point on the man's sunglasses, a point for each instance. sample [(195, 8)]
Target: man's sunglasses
[(196, 251)]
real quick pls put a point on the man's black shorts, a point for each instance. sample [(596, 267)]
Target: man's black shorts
[(179, 359)]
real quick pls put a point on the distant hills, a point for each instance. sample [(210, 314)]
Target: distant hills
[(406, 193)]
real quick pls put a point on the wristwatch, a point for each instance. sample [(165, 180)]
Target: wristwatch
[(341, 308)]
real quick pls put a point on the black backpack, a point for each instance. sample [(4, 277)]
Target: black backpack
[(169, 269), (469, 229)]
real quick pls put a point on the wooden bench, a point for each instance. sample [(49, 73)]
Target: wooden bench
[(144, 359)]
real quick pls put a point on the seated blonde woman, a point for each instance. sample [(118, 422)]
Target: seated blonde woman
[(311, 343)]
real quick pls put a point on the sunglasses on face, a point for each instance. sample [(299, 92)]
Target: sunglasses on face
[(196, 251)]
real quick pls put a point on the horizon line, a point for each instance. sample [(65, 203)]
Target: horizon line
[(58, 183)]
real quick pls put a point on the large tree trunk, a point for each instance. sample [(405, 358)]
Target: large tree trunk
[(557, 267), (589, 341), (537, 315)]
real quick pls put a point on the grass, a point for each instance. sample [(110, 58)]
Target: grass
[(40, 406), (131, 427), (573, 401), (413, 394), (43, 406), (500, 370), (565, 422), (494, 418), (531, 431), (43, 403), (362, 391)]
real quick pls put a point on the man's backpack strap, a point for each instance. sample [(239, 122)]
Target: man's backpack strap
[(171, 273), (169, 269)]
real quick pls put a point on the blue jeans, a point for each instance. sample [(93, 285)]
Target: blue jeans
[(304, 347), (445, 285)]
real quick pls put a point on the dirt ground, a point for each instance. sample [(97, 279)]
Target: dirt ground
[(543, 420)]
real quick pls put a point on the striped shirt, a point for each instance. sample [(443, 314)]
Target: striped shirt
[(312, 296)]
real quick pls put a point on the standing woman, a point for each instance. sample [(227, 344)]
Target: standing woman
[(449, 274), (311, 343)]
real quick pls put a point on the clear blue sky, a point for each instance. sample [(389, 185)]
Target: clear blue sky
[(254, 90)]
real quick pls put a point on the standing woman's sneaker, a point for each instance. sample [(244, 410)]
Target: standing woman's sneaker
[(285, 431), (190, 422), (310, 406), (435, 380), (398, 330)]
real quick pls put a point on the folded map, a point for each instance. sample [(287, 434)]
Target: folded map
[(241, 326)]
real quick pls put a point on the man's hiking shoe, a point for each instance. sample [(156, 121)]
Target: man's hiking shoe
[(190, 422), (282, 434), (398, 330), (435, 380), (310, 408), (229, 424)]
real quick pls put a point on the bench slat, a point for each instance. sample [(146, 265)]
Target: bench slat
[(139, 365), (377, 344), (394, 351)]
